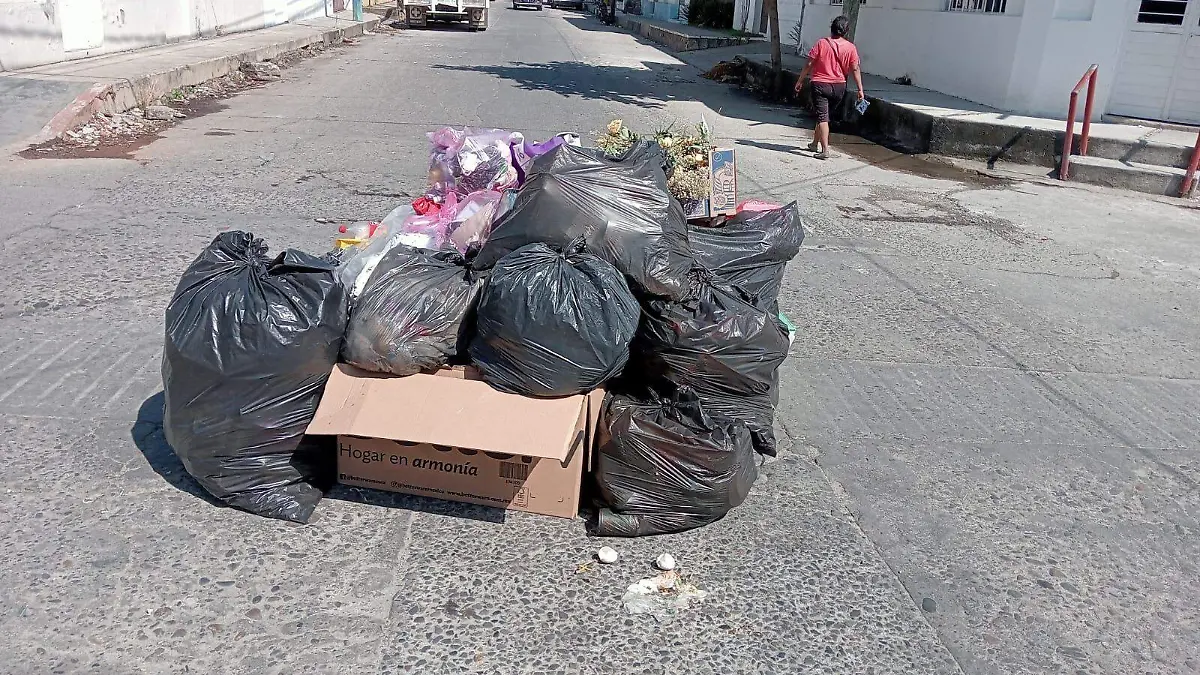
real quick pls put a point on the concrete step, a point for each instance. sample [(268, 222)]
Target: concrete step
[(1149, 178), (1140, 152)]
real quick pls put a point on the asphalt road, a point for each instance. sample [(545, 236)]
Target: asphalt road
[(989, 418)]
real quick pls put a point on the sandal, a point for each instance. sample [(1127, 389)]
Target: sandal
[(812, 147), (823, 155)]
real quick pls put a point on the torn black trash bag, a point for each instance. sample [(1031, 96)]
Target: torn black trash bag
[(620, 207), (722, 346), (249, 345), (553, 324), (751, 250), (667, 465), (411, 313)]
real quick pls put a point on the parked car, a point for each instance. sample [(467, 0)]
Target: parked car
[(558, 4), (536, 4)]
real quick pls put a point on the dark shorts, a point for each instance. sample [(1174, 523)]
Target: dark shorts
[(827, 95)]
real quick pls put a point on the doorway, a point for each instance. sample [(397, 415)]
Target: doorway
[(1158, 76)]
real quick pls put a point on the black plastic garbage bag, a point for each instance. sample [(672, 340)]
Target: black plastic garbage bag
[(249, 345), (411, 313), (668, 465), (751, 250), (621, 208), (553, 324), (722, 346)]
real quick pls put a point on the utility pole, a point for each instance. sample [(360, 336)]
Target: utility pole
[(850, 9)]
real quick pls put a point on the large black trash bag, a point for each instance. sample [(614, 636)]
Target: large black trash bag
[(621, 208), (250, 342), (722, 346), (751, 250), (411, 313), (667, 465), (553, 324)]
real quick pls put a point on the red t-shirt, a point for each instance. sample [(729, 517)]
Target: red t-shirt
[(832, 59)]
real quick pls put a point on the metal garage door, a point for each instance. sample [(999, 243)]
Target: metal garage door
[(1159, 73)]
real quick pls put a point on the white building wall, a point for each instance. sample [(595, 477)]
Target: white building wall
[(31, 31), (1025, 61), (964, 54), (1078, 33)]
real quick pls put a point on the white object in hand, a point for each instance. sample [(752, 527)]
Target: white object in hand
[(665, 562), (607, 555)]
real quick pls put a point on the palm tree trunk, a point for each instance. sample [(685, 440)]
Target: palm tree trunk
[(850, 9), (776, 50)]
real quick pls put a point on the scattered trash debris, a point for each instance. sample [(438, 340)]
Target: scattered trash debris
[(665, 562), (662, 596), (262, 71), (607, 555), (162, 113)]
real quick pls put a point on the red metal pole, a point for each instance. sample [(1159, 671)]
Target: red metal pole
[(1069, 141), (1087, 112), (1190, 179)]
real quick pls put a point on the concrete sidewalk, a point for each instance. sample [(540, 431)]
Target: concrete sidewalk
[(43, 102), (1145, 158), (677, 36)]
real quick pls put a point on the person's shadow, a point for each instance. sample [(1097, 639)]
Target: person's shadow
[(147, 433)]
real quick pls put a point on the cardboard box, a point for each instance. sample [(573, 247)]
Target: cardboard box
[(722, 200), (451, 436)]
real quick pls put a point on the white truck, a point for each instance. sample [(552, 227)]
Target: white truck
[(418, 13)]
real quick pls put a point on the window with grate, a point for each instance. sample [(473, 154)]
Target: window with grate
[(1162, 12), (982, 6)]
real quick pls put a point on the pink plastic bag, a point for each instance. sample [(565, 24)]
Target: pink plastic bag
[(430, 231), (460, 224), (757, 206)]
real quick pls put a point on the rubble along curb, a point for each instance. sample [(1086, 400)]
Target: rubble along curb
[(119, 96)]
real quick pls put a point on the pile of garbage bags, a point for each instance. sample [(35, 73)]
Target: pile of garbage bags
[(554, 270)]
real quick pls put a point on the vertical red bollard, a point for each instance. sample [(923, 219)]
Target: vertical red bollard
[(1087, 112), (1069, 141), (1190, 179)]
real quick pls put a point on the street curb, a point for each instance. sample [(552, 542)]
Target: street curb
[(118, 97), (79, 111)]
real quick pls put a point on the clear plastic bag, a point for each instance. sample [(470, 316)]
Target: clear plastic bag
[(471, 160), (472, 221)]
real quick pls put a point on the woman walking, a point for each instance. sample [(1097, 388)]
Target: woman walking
[(828, 62)]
